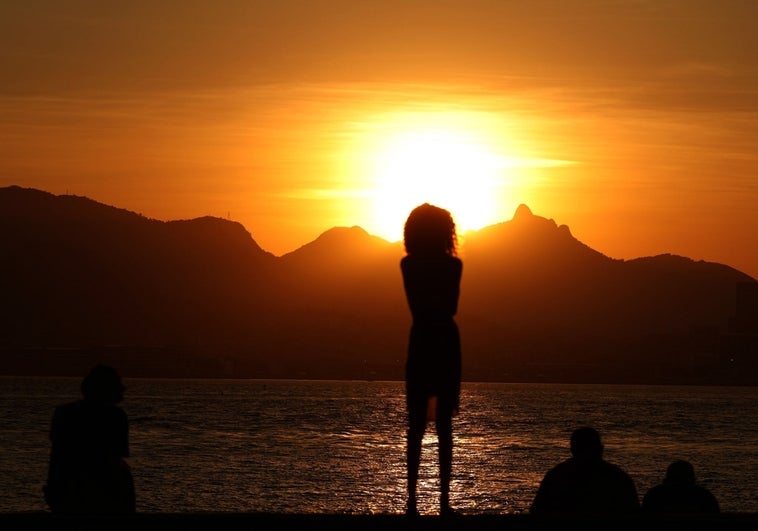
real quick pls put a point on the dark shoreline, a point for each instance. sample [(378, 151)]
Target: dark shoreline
[(375, 522)]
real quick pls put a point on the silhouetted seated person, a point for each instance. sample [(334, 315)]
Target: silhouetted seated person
[(586, 483), (89, 439), (679, 493)]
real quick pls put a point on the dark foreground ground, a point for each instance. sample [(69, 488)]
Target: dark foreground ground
[(380, 522)]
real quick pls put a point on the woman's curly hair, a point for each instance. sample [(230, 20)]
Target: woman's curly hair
[(430, 230)]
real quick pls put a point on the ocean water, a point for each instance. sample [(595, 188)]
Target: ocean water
[(290, 446)]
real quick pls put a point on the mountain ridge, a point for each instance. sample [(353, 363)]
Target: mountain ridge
[(201, 298)]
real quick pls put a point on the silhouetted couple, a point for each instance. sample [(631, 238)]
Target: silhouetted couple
[(586, 483), (89, 439)]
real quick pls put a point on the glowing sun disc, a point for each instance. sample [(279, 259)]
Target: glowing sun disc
[(451, 169)]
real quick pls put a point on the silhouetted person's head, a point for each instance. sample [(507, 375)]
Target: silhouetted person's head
[(430, 230), (103, 384), (680, 473), (586, 443)]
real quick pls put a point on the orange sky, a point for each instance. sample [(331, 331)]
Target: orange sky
[(635, 123)]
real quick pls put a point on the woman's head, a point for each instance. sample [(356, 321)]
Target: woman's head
[(430, 230), (103, 384), (680, 472)]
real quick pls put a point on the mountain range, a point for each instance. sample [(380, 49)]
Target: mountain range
[(84, 283)]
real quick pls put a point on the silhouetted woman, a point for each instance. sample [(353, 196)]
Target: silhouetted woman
[(431, 277), (88, 472)]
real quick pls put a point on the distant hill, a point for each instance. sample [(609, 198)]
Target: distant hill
[(83, 282)]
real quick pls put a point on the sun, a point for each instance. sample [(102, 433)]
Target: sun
[(456, 168), (441, 167)]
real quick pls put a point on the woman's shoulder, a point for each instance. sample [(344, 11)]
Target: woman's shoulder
[(450, 264), (455, 263), (442, 264)]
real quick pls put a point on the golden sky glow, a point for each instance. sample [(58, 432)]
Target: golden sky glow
[(633, 122), (460, 160)]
